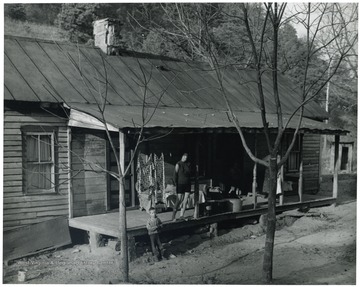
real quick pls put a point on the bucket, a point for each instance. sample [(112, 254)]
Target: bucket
[(235, 204), (22, 276)]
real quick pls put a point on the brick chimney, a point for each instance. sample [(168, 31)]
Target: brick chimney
[(107, 35)]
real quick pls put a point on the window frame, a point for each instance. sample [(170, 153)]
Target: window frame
[(296, 150), (40, 131), (349, 167)]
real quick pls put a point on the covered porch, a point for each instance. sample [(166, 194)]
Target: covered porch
[(215, 145), (108, 223)]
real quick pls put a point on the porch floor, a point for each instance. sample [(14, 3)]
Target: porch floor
[(108, 223)]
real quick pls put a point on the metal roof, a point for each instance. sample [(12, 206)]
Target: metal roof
[(120, 117), (43, 71)]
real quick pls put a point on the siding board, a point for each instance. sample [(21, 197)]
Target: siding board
[(89, 187), (25, 205), (311, 157), (20, 209), (36, 209)]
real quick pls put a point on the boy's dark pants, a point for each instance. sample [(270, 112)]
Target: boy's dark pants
[(155, 242)]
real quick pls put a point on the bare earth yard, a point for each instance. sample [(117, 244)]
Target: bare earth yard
[(319, 248)]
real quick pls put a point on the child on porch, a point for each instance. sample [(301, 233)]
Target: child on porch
[(153, 226)]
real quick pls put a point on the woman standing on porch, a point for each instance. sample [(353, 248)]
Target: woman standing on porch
[(183, 185)]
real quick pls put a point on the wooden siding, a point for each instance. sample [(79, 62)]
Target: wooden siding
[(311, 156), (21, 209), (89, 182)]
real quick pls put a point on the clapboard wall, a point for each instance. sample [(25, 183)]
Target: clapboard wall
[(89, 181), (311, 158), (19, 208)]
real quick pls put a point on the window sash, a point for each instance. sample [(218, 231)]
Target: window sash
[(40, 164), (293, 161)]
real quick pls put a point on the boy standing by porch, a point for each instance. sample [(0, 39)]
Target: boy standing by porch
[(153, 226)]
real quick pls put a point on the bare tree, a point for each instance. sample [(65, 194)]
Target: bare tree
[(96, 85), (192, 23)]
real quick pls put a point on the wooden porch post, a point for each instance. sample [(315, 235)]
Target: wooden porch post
[(254, 184), (196, 194), (70, 191), (133, 192), (281, 196), (336, 167), (300, 184), (122, 212)]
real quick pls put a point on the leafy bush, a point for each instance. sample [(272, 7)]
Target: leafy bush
[(15, 11)]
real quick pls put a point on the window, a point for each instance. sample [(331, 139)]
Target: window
[(39, 162), (293, 161), (346, 151), (344, 158)]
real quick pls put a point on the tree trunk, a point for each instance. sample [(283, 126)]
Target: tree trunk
[(124, 259), (271, 223), (124, 262)]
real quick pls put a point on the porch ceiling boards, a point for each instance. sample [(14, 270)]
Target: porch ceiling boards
[(44, 71), (122, 117)]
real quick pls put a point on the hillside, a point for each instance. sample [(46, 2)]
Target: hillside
[(33, 30)]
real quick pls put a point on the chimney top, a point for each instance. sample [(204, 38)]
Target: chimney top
[(107, 34)]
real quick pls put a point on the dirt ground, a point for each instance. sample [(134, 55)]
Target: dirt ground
[(318, 247)]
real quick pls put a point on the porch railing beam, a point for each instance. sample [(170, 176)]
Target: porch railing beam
[(301, 169), (196, 195), (254, 183), (336, 166)]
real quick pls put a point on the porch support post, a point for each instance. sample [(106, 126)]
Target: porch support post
[(336, 167), (131, 247), (124, 257), (254, 184), (70, 191), (133, 193), (281, 196), (94, 240), (196, 193), (300, 184)]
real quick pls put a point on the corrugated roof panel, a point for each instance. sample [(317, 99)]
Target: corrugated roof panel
[(204, 88), (55, 83), (25, 66), (125, 117), (166, 81), (141, 78), (118, 92), (188, 85), (7, 94), (237, 93), (250, 78), (127, 76), (183, 85), (90, 77), (191, 84), (232, 80), (175, 68), (57, 54), (16, 84), (312, 109), (286, 105), (204, 76), (161, 88)]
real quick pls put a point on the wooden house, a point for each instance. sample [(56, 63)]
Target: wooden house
[(56, 148)]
